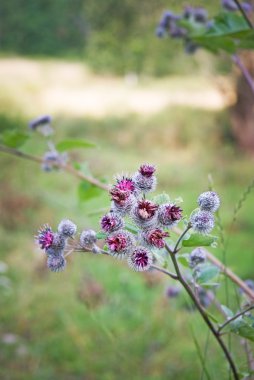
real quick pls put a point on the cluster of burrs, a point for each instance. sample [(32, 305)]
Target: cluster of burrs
[(135, 228)]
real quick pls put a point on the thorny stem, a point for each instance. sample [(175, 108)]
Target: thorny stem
[(234, 317), (204, 315), (97, 183), (239, 5)]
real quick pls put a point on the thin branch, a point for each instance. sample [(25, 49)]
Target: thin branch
[(103, 186), (239, 5), (162, 270), (205, 316), (181, 238), (235, 317), (236, 59)]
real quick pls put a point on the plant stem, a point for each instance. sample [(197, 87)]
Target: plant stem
[(181, 238), (162, 270), (236, 59), (204, 316), (97, 183), (234, 317), (239, 5)]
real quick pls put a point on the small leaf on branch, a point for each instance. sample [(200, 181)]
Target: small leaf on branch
[(14, 139), (229, 313), (74, 144), (243, 326), (198, 240), (184, 260), (205, 273), (101, 235)]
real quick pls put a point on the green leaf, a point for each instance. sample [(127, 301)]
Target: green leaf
[(87, 191), (206, 273), (101, 235), (14, 139), (183, 259), (243, 326), (229, 313), (198, 240), (73, 144)]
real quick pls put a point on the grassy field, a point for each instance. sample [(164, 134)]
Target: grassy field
[(99, 320)]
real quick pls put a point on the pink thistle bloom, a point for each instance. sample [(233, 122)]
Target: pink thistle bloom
[(125, 184), (45, 237), (111, 222), (119, 196), (147, 170), (155, 237), (120, 243), (140, 259), (169, 214), (146, 209)]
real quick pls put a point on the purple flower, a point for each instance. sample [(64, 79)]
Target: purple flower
[(147, 170), (169, 214), (125, 184), (145, 214), (145, 179), (56, 263), (202, 221), (119, 243), (87, 238), (122, 200), (67, 228), (111, 222), (42, 123), (155, 237), (209, 201), (140, 259), (45, 237)]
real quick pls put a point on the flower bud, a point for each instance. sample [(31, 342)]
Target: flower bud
[(197, 257), (140, 259), (56, 263), (202, 221), (67, 228), (209, 201), (144, 179), (87, 238), (42, 124), (122, 200)]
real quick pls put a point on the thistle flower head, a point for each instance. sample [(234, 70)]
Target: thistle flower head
[(120, 243), (125, 183), (200, 15), (59, 241), (140, 259), (144, 179), (111, 222), (42, 124), (202, 221), (145, 214), (209, 201), (147, 170), (155, 237), (197, 257), (87, 238), (122, 200), (56, 263), (53, 158), (67, 228), (45, 237), (169, 214), (119, 196)]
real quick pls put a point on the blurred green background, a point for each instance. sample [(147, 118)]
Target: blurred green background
[(98, 69)]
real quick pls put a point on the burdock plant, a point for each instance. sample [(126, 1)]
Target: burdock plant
[(138, 229)]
